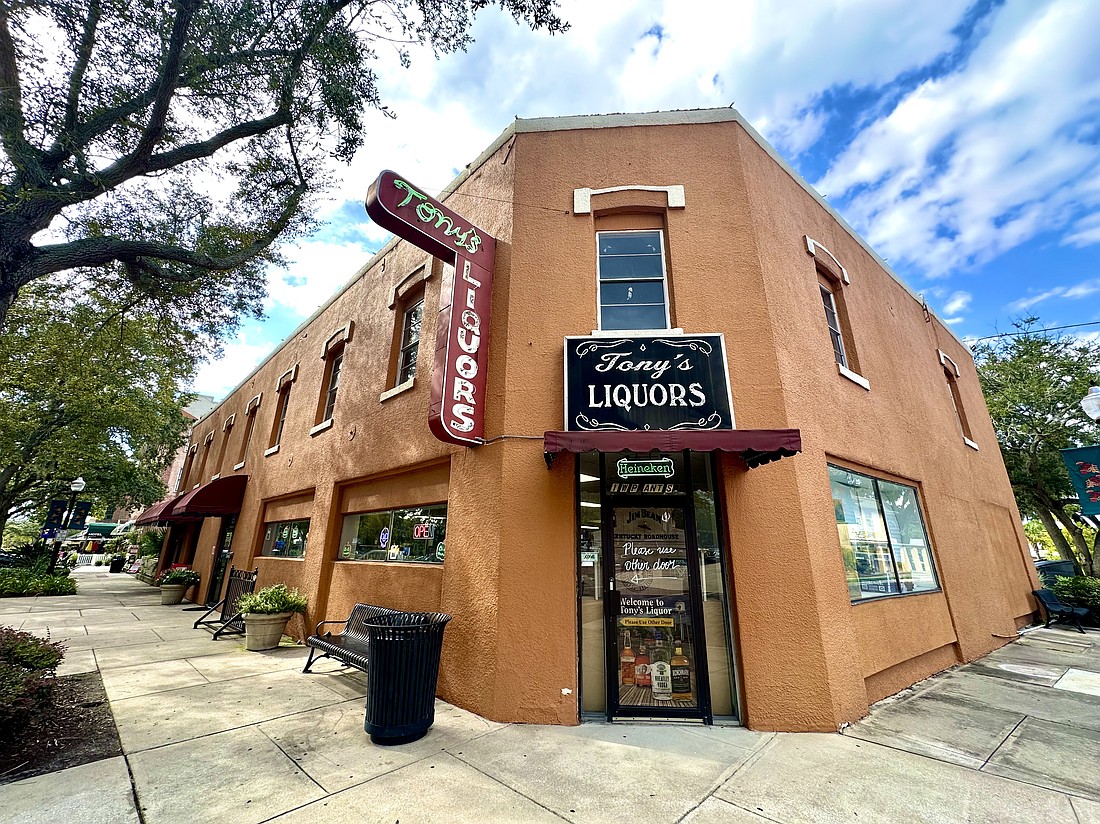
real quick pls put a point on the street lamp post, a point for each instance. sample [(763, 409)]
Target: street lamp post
[(76, 487), (1091, 403)]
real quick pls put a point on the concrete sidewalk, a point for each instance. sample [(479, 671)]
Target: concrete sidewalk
[(211, 733)]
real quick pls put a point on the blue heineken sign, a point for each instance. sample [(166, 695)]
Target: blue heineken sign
[(654, 382)]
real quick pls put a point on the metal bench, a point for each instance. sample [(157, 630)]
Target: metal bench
[(349, 645), (1058, 611), (229, 621)]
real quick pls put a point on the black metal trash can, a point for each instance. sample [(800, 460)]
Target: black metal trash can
[(117, 563), (403, 668)]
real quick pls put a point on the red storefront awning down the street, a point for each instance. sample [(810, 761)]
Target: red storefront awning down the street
[(755, 446), (157, 513), (222, 496)]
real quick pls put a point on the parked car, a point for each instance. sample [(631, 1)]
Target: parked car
[(1050, 570)]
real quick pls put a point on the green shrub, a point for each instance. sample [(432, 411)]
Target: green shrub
[(19, 582), (149, 542), (179, 576), (273, 599), (27, 664), (1079, 591)]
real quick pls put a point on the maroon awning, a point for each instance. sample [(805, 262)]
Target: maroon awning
[(755, 446), (219, 497), (157, 513)]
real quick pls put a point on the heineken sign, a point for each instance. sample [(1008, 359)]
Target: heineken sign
[(660, 468), (456, 413), (667, 382)]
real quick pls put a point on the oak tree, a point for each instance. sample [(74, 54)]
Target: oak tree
[(175, 140), (1033, 383)]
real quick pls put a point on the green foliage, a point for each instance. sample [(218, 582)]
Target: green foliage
[(273, 599), (22, 582), (150, 542), (178, 576), (1079, 591), (27, 664), (117, 137), (1033, 384), (87, 389)]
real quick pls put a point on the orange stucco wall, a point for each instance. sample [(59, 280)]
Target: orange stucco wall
[(738, 263)]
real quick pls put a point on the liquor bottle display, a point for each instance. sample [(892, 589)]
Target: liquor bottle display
[(641, 668), (681, 675), (661, 671), (626, 662)]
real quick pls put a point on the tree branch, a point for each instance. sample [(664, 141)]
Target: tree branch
[(83, 57), (24, 156)]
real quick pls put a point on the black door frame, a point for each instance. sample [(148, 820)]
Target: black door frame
[(685, 501), (223, 557)]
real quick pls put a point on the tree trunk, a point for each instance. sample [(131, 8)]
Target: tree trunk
[(1050, 523)]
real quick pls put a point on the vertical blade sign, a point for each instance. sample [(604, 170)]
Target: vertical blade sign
[(457, 411)]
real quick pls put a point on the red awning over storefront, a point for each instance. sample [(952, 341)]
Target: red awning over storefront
[(157, 513), (755, 446), (219, 497)]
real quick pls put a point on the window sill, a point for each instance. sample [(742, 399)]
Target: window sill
[(970, 443), (279, 558), (238, 466), (271, 451), (854, 377), (397, 390), (874, 599), (627, 333), (215, 477), (321, 427), (428, 564)]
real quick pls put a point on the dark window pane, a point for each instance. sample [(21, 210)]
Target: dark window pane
[(333, 385), (410, 342), (907, 537), (632, 292), (631, 266), (286, 539), (630, 243), (633, 317)]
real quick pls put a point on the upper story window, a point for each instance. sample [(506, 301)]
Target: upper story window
[(249, 427), (951, 373), (187, 465), (411, 318), (282, 404), (332, 353), (832, 278), (633, 289), (227, 431), (206, 444)]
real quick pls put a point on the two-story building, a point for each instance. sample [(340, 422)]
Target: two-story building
[(692, 449)]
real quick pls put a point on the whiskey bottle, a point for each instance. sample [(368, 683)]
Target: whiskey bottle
[(626, 662), (681, 676), (641, 668), (661, 672)]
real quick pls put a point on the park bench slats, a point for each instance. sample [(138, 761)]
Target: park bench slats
[(229, 620)]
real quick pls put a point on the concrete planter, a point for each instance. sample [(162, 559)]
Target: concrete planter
[(264, 631), (172, 593)]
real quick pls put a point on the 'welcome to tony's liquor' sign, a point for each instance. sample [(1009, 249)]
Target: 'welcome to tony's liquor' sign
[(457, 411)]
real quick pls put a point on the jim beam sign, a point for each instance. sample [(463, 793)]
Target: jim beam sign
[(457, 411), (674, 382)]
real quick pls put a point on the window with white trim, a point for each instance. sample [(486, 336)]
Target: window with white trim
[(411, 320), (951, 374), (833, 322), (633, 286)]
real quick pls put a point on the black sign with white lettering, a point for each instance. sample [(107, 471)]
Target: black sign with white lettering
[(676, 382)]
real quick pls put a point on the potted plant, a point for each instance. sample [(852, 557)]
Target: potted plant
[(174, 583), (266, 612)]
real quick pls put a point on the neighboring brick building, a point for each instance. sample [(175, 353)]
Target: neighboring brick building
[(613, 579)]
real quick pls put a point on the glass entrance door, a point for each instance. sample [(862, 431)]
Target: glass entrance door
[(222, 559), (656, 655)]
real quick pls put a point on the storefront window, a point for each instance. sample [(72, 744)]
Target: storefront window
[(882, 536), (285, 539), (414, 534)]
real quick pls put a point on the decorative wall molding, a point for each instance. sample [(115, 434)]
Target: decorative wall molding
[(582, 198), (813, 247)]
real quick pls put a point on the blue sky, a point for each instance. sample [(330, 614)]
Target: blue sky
[(961, 138)]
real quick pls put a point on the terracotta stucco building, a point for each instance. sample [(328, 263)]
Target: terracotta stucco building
[(771, 492)]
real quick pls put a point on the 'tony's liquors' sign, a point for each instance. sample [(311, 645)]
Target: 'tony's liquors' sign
[(673, 382)]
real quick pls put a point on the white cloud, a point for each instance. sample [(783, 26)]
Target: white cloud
[(958, 302), (942, 185), (1083, 290), (238, 359), (1023, 304), (317, 269)]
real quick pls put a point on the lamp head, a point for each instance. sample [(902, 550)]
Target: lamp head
[(78, 485), (1091, 403)]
